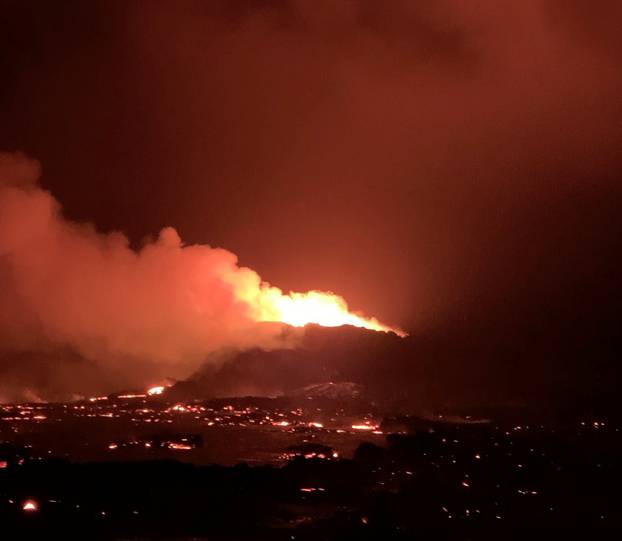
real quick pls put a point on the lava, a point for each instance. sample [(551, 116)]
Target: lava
[(364, 426), (269, 303), (30, 505)]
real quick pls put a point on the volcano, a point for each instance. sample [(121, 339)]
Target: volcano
[(325, 360)]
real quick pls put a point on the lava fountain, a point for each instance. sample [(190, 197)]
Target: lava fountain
[(269, 303)]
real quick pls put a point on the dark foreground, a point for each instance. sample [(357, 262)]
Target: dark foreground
[(440, 482)]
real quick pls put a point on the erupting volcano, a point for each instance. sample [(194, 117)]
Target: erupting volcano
[(162, 307)]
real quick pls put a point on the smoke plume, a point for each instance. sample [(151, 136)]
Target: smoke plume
[(75, 296)]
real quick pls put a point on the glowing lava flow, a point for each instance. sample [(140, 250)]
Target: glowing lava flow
[(268, 303), (30, 505), (158, 389)]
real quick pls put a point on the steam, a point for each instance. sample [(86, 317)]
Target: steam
[(66, 286)]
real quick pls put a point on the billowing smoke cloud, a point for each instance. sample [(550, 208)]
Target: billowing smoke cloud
[(71, 293)]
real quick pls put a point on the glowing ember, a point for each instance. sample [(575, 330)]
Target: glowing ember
[(159, 389), (179, 446), (364, 427), (268, 303), (30, 505)]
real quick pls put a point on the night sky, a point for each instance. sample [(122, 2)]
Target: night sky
[(449, 167)]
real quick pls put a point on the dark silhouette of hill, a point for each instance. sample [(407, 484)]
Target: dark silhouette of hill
[(324, 354), (442, 371)]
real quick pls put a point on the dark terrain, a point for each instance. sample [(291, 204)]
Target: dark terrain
[(420, 477), (348, 458)]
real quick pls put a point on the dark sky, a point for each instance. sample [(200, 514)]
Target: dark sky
[(451, 167)]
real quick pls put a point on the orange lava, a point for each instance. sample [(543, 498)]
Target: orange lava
[(30, 505), (179, 446), (268, 303), (362, 426)]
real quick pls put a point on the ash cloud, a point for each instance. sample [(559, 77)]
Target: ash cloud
[(81, 310)]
